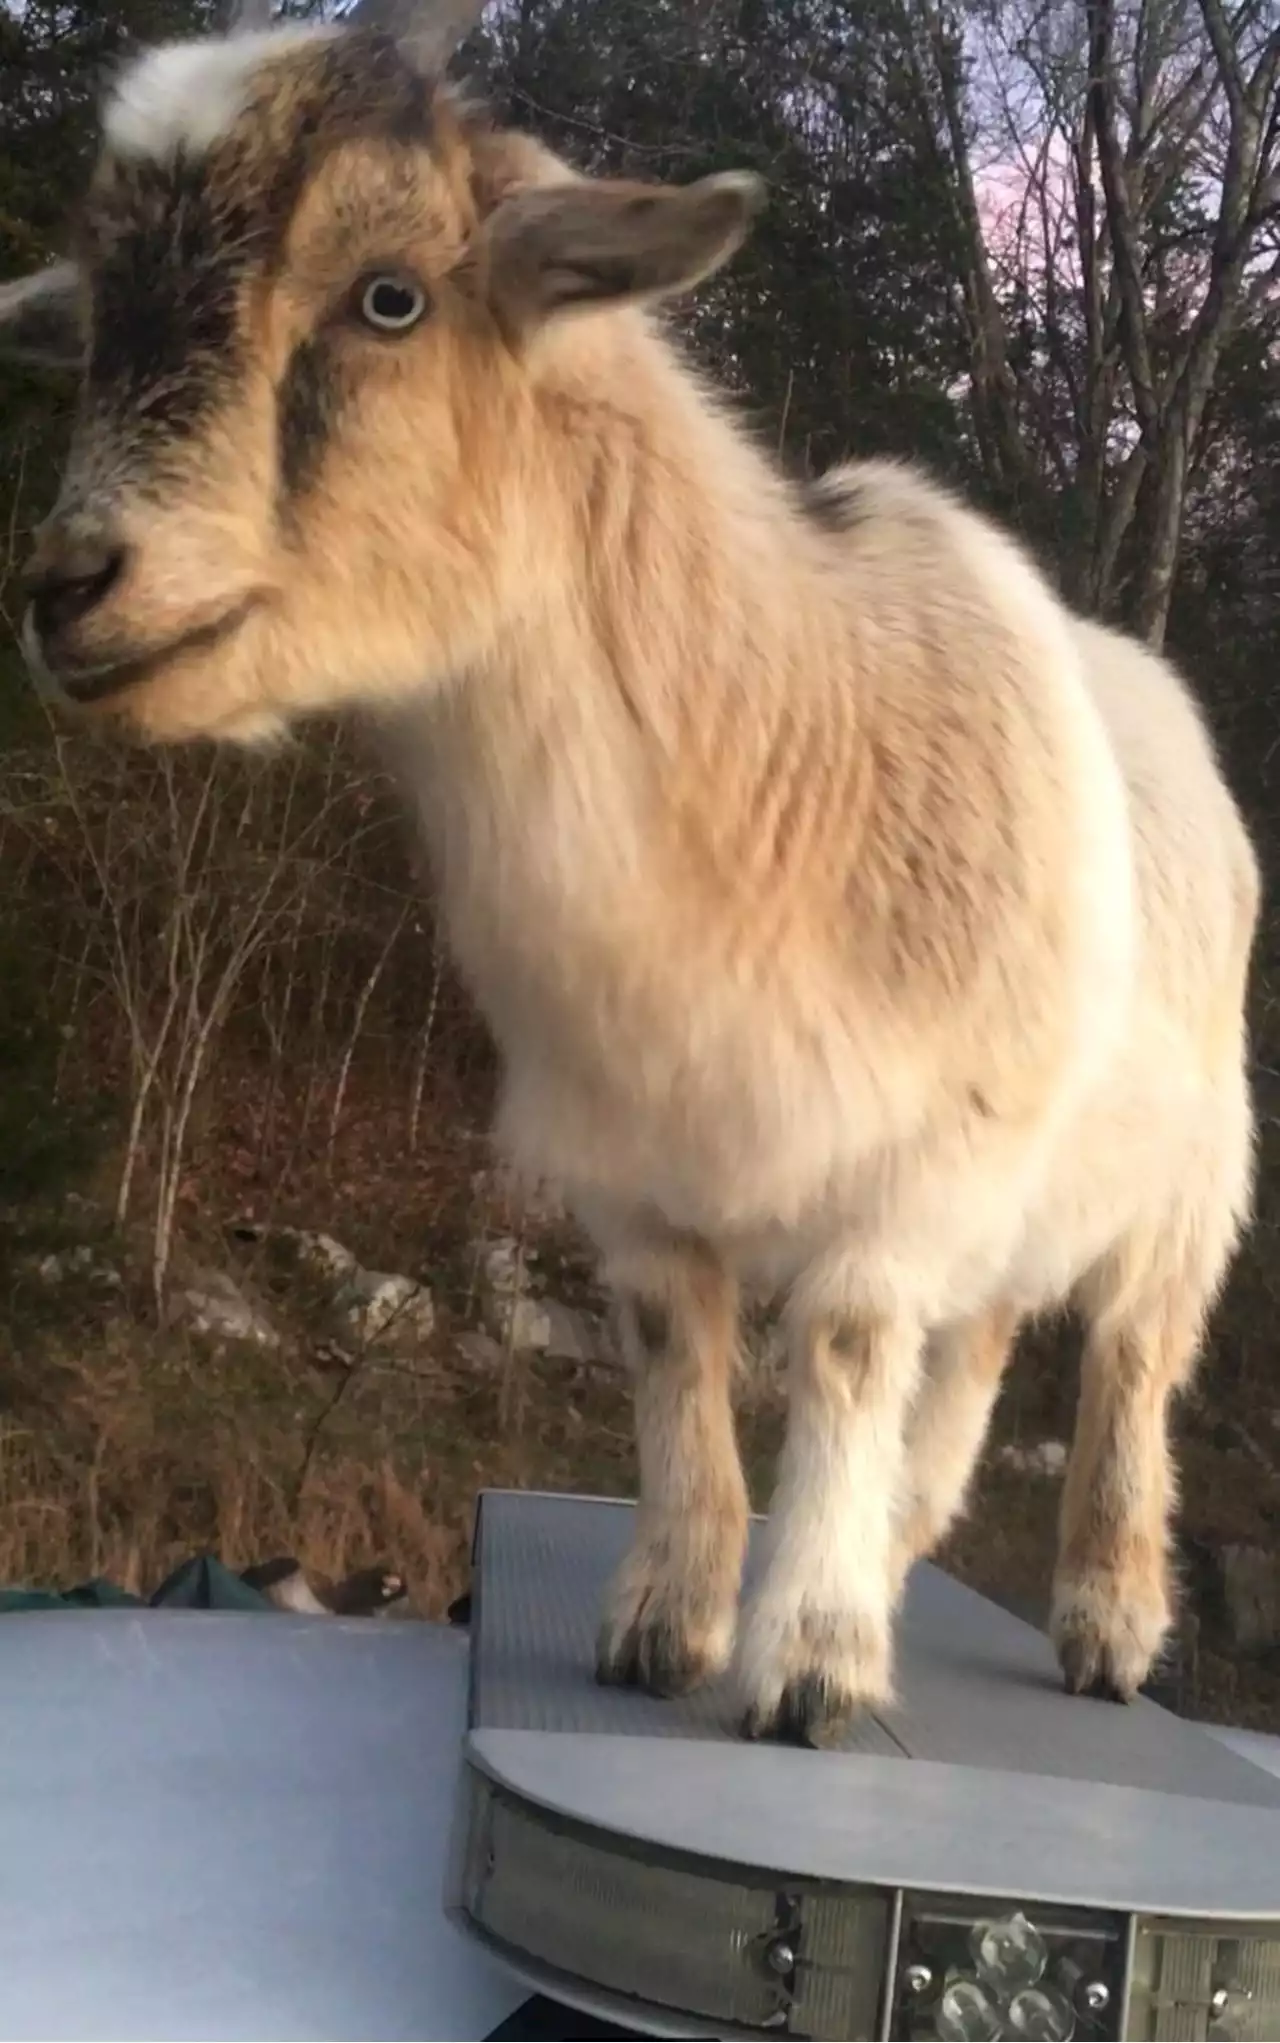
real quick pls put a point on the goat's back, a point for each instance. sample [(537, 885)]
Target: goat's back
[(1195, 870)]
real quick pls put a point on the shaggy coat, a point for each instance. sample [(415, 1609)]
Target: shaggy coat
[(853, 921)]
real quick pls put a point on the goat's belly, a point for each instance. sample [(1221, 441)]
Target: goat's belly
[(1155, 1137), (708, 1157), (783, 1174)]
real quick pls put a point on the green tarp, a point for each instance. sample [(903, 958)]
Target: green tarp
[(199, 1584)]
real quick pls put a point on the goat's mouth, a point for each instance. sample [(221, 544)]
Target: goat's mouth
[(98, 684)]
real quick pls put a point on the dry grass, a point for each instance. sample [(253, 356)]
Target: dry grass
[(126, 1445)]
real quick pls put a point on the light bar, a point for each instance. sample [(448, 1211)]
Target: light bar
[(745, 1951), (738, 1948), (1209, 1982)]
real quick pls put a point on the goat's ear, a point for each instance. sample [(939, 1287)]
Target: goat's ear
[(42, 317), (559, 247)]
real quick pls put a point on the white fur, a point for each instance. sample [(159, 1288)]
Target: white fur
[(183, 96)]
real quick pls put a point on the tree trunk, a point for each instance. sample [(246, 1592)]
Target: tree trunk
[(1158, 566)]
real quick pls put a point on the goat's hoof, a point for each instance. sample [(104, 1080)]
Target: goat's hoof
[(812, 1710), (670, 1618), (659, 1653), (806, 1676), (1087, 1670), (1107, 1642)]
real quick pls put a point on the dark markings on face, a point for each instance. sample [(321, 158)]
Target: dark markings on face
[(174, 245), (166, 296), (308, 406), (832, 502), (358, 88)]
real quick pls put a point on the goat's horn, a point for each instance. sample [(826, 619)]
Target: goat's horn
[(429, 29), (239, 15)]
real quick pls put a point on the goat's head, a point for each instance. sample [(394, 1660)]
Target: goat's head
[(311, 296)]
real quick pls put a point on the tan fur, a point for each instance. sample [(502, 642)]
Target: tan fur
[(963, 1369), (674, 1605), (850, 918)]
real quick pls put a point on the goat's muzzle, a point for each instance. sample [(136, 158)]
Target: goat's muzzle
[(77, 654), (76, 564)]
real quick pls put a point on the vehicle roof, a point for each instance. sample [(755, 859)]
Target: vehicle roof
[(227, 1826)]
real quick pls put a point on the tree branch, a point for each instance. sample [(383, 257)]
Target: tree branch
[(1100, 16)]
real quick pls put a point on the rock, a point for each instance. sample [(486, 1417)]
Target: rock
[(523, 1324), (215, 1304), (1251, 1597), (325, 1255), (571, 1335), (320, 1252), (378, 1302), (1044, 1458), (503, 1264), (83, 1263), (481, 1352), (510, 1313)]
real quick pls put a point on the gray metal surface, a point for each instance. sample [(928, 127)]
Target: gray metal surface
[(226, 1826), (1260, 1748), (992, 1780), (977, 1687), (951, 1829)]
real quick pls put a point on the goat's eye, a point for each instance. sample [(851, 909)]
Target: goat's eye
[(392, 304)]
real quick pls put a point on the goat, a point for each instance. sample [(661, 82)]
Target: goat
[(852, 920)]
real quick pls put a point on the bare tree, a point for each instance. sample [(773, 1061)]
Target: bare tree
[(1115, 170)]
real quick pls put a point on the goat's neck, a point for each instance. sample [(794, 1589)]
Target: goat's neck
[(694, 589), (647, 717)]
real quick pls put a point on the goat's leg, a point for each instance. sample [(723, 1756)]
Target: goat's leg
[(816, 1643), (673, 1606), (1111, 1603), (964, 1366)]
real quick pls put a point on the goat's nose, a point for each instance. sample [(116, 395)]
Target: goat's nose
[(74, 566)]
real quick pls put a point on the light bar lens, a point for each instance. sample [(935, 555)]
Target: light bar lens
[(728, 1944), (1216, 1983), (976, 1971)]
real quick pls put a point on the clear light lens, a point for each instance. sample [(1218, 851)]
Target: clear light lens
[(968, 2011), (705, 1939), (985, 1969), (1043, 2013), (1211, 1983), (1011, 1953)]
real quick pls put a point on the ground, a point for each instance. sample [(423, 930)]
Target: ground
[(126, 1445)]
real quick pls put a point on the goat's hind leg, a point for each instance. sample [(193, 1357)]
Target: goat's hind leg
[(1112, 1603), (964, 1365), (672, 1608)]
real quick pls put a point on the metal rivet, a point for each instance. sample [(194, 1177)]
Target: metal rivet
[(1095, 1996), (918, 1978), (780, 1957)]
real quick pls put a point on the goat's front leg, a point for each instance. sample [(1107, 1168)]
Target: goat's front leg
[(816, 1644), (672, 1608)]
